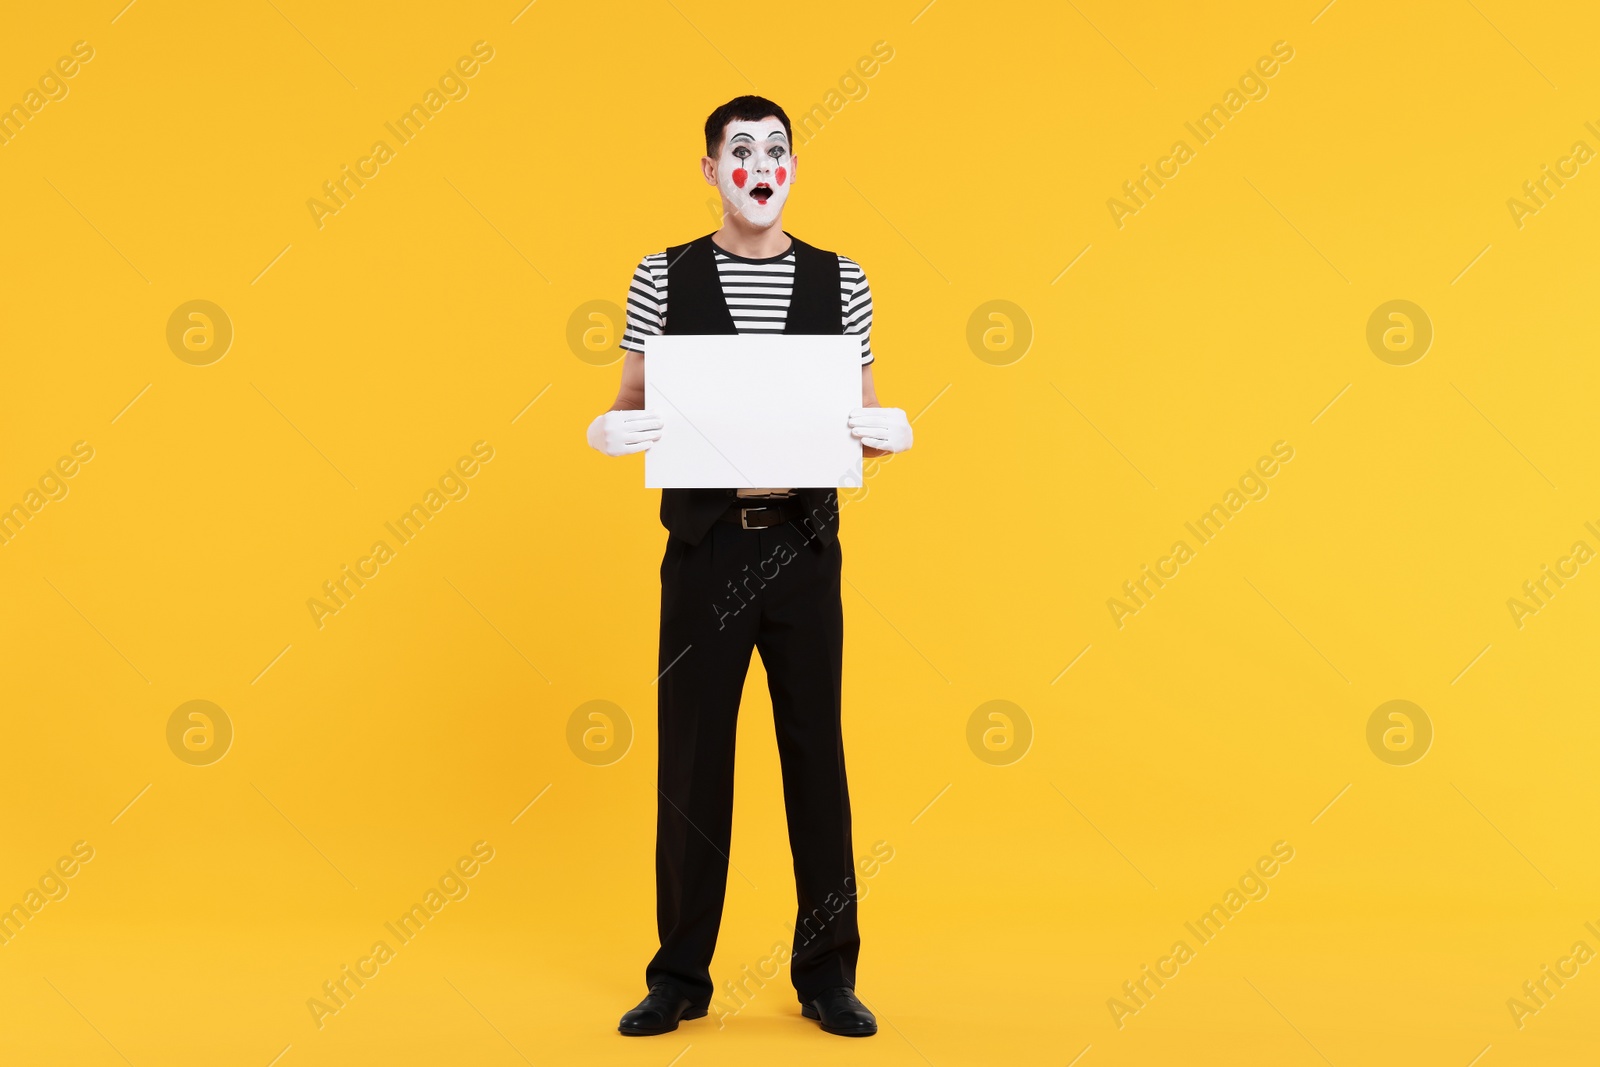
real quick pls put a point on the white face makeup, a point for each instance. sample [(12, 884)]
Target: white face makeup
[(754, 170)]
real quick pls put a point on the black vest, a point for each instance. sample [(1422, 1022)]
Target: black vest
[(695, 305)]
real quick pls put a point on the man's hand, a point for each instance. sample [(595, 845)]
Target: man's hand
[(886, 429), (620, 433)]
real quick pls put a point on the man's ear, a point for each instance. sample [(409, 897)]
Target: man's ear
[(794, 167), (708, 167)]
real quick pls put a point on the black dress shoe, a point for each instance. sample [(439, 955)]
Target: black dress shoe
[(839, 1012), (659, 1013)]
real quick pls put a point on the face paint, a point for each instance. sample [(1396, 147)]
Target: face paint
[(753, 170)]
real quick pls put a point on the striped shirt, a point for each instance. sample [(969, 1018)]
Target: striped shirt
[(757, 292)]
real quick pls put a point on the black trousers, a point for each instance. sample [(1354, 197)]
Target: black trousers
[(776, 591)]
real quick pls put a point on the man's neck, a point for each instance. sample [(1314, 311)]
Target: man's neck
[(751, 242)]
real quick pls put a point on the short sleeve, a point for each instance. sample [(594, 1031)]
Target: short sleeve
[(856, 305), (647, 302)]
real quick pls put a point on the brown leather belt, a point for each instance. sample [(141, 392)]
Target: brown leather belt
[(761, 516)]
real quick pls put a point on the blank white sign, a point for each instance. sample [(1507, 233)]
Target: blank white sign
[(743, 411)]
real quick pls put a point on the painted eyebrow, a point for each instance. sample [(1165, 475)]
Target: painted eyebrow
[(740, 137)]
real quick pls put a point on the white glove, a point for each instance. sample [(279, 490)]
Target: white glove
[(882, 428), (620, 433)]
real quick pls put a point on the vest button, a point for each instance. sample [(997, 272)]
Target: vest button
[(728, 491)]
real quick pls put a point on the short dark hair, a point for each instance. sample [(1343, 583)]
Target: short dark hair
[(745, 109)]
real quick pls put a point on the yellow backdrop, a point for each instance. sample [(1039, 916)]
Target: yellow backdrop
[(1250, 356)]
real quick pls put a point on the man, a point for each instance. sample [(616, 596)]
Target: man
[(749, 569)]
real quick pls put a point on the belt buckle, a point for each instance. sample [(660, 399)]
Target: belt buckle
[(744, 512)]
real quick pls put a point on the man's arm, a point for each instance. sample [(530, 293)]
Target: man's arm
[(882, 430), (630, 394), (869, 399), (625, 427)]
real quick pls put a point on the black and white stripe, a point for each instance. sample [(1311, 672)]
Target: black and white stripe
[(757, 291)]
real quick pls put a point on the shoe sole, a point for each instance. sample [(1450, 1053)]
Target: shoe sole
[(692, 1013), (807, 1011)]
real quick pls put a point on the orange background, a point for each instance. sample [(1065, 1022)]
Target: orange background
[(1135, 375)]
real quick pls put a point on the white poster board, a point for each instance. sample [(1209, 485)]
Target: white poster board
[(744, 411)]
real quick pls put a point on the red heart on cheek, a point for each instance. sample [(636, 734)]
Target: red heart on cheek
[(782, 174), (740, 175)]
